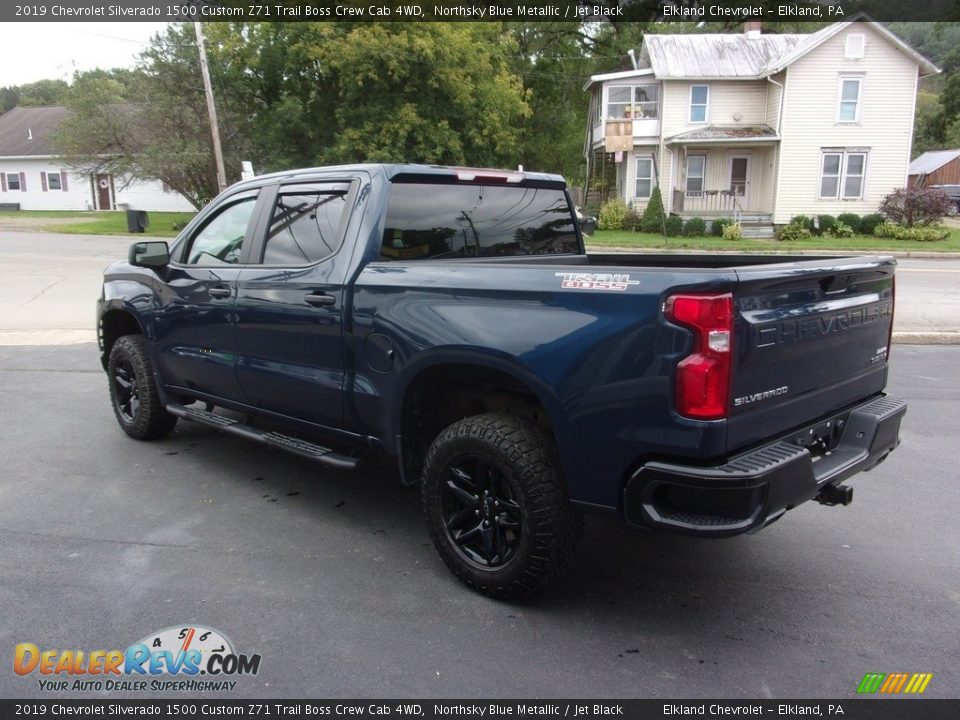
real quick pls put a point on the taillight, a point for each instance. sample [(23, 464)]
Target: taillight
[(703, 377)]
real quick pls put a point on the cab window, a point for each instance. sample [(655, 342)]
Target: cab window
[(220, 240), (305, 226)]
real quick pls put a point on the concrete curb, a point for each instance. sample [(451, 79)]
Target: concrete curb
[(934, 337), (826, 251)]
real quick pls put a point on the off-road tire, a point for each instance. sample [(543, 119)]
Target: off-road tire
[(147, 419), (525, 457)]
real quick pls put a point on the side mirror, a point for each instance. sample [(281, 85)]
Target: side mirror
[(152, 254)]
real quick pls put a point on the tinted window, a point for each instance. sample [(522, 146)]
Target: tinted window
[(305, 225), (431, 221), (221, 239)]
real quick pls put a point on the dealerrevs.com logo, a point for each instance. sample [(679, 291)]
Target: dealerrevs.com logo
[(186, 658)]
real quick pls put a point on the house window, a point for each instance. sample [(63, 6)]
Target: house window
[(842, 174), (644, 185), (695, 171), (855, 45), (699, 102), (13, 181), (636, 101), (53, 181), (849, 106)]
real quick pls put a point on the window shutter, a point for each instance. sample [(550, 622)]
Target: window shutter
[(43, 181), (23, 182), (63, 180), (3, 181)]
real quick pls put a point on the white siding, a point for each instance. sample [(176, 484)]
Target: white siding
[(150, 195), (76, 197), (630, 189), (746, 98), (139, 195), (809, 124)]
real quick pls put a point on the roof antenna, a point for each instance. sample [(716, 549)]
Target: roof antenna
[(633, 58)]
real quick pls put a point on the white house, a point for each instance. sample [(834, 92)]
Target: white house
[(33, 177), (760, 125)]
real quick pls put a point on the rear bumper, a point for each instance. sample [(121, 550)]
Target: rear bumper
[(752, 490)]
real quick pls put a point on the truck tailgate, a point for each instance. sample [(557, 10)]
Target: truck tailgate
[(810, 338)]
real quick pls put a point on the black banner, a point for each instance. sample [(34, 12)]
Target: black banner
[(474, 10), (856, 709)]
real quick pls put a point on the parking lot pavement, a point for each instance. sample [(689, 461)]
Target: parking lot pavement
[(332, 579)]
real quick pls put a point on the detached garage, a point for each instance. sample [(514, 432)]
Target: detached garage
[(939, 167)]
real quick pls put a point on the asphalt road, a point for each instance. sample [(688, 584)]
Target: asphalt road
[(50, 282), (332, 579)]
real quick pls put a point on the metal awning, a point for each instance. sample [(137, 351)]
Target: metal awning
[(725, 134)]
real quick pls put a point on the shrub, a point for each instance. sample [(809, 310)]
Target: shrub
[(652, 219), (695, 227), (840, 230), (631, 221), (824, 223), (852, 220), (673, 225), (869, 222), (797, 229), (915, 206), (803, 221), (612, 214), (717, 226), (733, 231), (917, 233)]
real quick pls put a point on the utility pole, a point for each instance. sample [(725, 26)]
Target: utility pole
[(211, 109)]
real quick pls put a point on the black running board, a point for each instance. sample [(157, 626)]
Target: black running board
[(303, 448)]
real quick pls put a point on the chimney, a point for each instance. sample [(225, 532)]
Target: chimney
[(751, 29)]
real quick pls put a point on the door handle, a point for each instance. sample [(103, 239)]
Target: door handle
[(220, 292), (320, 299)]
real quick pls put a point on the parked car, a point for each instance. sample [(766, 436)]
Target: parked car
[(450, 318), (952, 192)]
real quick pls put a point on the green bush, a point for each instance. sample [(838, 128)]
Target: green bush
[(798, 229), (804, 221), (733, 231), (917, 233), (695, 227), (852, 220), (840, 230), (869, 222), (612, 214), (631, 221), (716, 226), (824, 223), (673, 225), (652, 219)]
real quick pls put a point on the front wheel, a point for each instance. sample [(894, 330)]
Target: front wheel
[(133, 390), (496, 506)]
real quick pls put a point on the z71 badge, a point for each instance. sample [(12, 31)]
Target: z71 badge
[(595, 281)]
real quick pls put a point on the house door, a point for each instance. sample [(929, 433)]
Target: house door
[(739, 179), (103, 192)]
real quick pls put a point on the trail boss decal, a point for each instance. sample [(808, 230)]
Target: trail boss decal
[(595, 281)]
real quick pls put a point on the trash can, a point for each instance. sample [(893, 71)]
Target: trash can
[(137, 221)]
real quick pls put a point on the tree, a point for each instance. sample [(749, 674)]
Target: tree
[(423, 92), (151, 123)]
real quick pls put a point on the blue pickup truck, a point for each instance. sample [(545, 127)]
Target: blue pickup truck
[(450, 318)]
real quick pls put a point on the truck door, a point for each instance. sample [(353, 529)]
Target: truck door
[(290, 302), (196, 342)]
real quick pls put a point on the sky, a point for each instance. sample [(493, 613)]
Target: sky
[(53, 50)]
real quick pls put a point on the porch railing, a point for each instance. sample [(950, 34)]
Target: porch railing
[(715, 202)]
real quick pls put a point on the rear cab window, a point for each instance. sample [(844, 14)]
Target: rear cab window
[(428, 221), (306, 224)]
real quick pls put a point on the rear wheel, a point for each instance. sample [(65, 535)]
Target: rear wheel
[(954, 209), (133, 391), (496, 506)]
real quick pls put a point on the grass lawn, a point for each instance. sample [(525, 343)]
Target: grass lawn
[(161, 224), (616, 238)]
